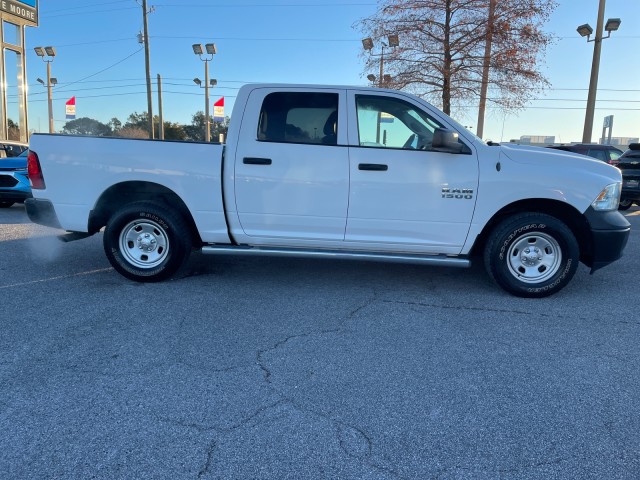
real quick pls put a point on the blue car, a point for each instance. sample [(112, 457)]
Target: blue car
[(14, 182)]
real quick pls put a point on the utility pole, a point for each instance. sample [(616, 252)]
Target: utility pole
[(161, 126), (485, 68), (148, 67)]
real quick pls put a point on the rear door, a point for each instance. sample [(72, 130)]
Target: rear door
[(292, 166)]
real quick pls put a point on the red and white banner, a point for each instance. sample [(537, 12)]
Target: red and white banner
[(71, 108), (218, 111)]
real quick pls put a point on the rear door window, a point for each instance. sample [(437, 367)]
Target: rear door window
[(299, 117)]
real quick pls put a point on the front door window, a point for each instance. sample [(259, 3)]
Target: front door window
[(385, 122)]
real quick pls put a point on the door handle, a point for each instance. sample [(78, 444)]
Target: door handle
[(256, 161), (375, 167)]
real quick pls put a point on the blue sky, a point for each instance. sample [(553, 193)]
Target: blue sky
[(298, 41)]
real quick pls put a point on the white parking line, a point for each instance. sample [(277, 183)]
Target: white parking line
[(62, 277), (633, 214)]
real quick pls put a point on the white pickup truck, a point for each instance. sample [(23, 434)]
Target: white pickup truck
[(335, 172)]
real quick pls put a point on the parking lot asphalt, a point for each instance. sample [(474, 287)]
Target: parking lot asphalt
[(286, 368)]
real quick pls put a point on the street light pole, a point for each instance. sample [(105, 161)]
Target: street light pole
[(367, 44), (593, 82), (210, 52), (585, 31), (50, 98), (207, 133), (47, 54)]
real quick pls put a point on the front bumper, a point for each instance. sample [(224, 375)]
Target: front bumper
[(609, 236), (42, 212)]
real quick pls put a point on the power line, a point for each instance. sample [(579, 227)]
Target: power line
[(80, 97), (70, 11), (255, 81), (247, 39), (267, 5), (234, 96), (88, 6), (128, 39), (63, 87), (107, 68), (87, 13)]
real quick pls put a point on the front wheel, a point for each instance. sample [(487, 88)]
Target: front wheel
[(532, 255), (147, 242)]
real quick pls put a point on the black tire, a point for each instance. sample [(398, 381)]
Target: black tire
[(147, 242), (625, 204), (532, 255), (6, 204)]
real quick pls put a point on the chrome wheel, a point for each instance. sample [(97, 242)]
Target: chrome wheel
[(144, 244), (534, 257)]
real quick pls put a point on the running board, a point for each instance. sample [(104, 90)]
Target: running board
[(441, 260)]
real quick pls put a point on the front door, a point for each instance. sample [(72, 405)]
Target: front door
[(404, 195)]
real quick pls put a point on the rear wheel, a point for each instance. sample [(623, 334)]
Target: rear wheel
[(147, 242), (6, 204), (532, 255)]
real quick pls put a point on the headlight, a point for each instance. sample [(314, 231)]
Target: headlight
[(608, 198)]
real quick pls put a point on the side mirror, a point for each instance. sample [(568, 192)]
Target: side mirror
[(445, 140)]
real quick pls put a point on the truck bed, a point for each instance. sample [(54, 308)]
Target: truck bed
[(80, 170)]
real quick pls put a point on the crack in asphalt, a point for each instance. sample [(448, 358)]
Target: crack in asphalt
[(347, 443), (205, 469), (352, 440), (259, 361)]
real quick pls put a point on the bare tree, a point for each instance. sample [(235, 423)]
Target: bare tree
[(444, 44)]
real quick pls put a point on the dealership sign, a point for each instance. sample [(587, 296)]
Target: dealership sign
[(24, 10), (218, 111)]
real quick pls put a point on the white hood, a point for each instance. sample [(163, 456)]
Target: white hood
[(560, 160)]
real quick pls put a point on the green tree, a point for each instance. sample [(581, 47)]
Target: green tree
[(87, 126), (174, 131), (115, 124), (13, 130), (132, 132), (195, 131), (137, 122), (220, 128)]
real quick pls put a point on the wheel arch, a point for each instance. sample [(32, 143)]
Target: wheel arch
[(564, 212), (125, 193)]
